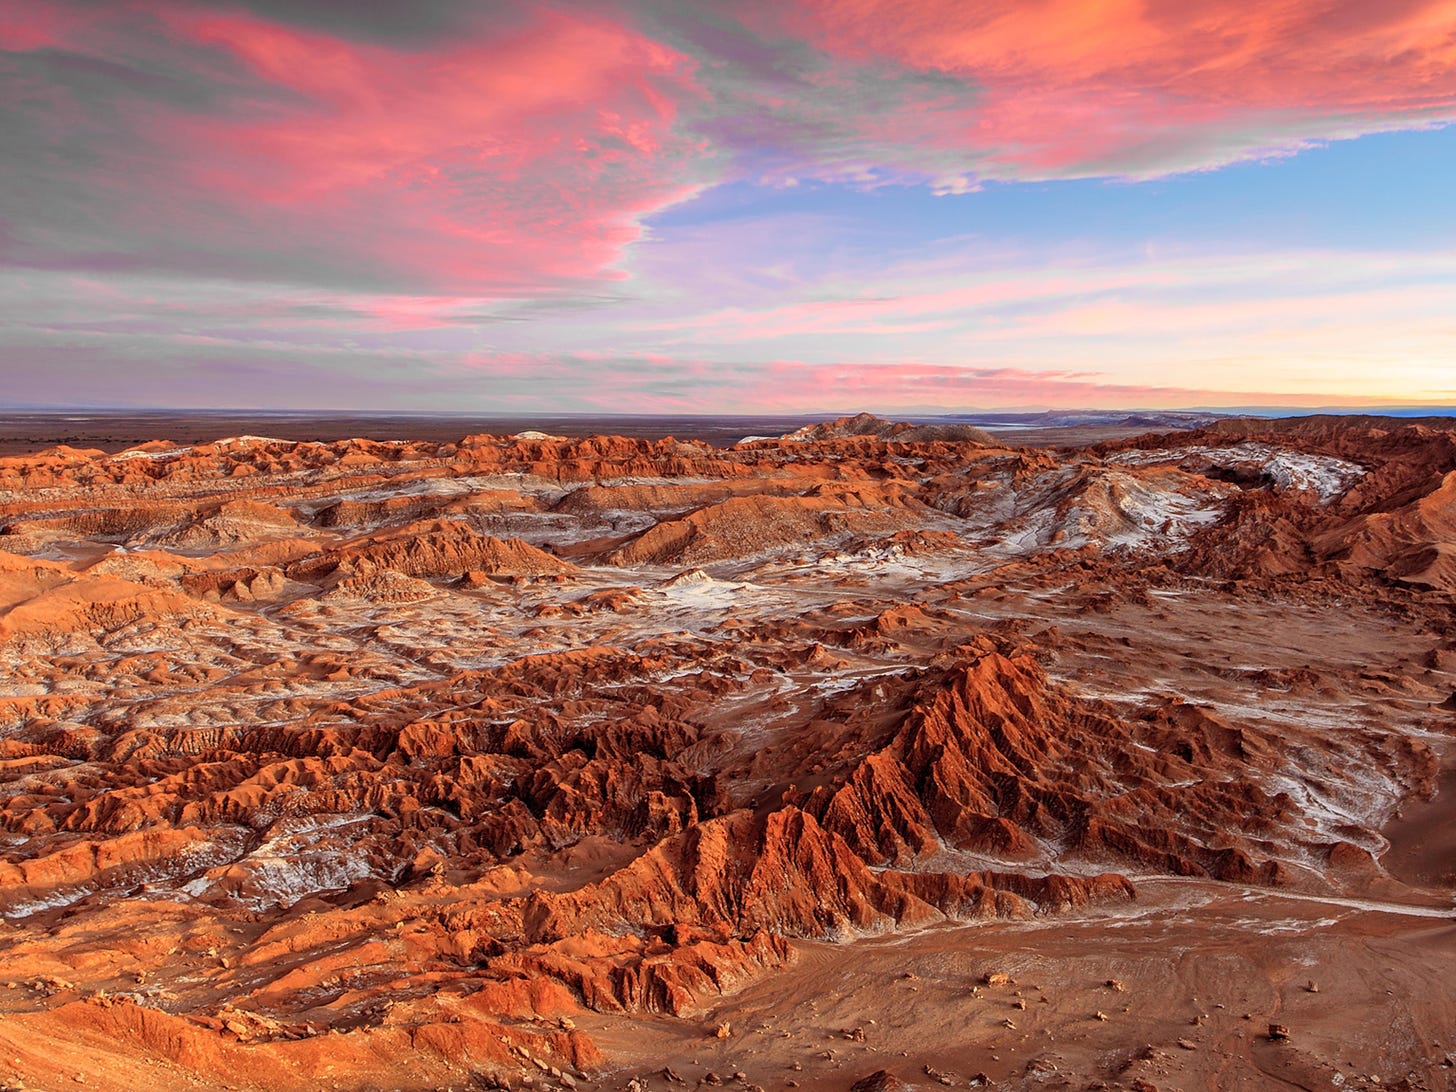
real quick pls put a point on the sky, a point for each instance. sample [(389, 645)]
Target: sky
[(765, 206)]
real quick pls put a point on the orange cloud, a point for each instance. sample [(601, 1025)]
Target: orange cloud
[(1146, 87)]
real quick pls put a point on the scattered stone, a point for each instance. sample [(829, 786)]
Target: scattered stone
[(1313, 987), (723, 1030), (1278, 1033), (996, 978), (1115, 984), (880, 1081), (1187, 1044)]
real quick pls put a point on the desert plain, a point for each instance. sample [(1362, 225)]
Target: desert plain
[(871, 756)]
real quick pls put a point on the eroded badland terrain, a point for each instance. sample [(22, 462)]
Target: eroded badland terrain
[(643, 764)]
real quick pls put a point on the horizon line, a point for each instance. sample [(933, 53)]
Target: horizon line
[(1435, 409)]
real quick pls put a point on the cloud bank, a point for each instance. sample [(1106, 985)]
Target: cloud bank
[(348, 168)]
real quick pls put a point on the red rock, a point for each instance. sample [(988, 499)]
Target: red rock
[(382, 766)]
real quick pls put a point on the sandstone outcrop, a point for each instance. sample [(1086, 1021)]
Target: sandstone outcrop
[(352, 752)]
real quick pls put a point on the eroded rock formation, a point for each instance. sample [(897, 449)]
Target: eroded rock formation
[(445, 746)]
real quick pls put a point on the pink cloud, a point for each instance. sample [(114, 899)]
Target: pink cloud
[(889, 309), (909, 384), (520, 155), (656, 384), (512, 160), (1140, 87), (38, 27)]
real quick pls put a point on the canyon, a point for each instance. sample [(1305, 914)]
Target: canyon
[(872, 755)]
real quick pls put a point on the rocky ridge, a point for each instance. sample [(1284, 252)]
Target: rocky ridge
[(435, 744)]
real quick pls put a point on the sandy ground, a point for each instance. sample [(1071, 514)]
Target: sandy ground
[(1201, 974)]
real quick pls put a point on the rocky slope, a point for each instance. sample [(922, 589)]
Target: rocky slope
[(403, 764)]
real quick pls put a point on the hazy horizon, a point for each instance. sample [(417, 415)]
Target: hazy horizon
[(905, 412)]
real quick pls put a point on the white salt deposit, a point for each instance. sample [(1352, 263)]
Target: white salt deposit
[(1326, 476)]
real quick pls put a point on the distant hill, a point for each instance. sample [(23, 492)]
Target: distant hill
[(903, 432), (1159, 420)]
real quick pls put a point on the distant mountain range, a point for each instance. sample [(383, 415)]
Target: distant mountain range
[(1165, 419), (1149, 419)]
